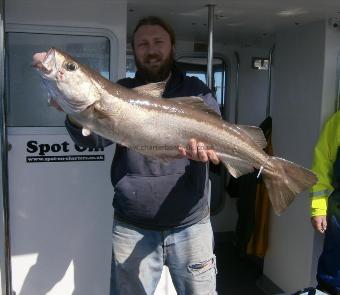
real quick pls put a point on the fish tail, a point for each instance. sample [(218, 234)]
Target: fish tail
[(284, 180)]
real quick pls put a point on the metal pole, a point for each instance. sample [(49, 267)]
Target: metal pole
[(4, 160), (338, 86), (338, 96), (210, 45), (237, 85), (269, 80)]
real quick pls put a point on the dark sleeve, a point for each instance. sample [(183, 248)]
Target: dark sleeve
[(92, 141), (211, 102), (206, 95)]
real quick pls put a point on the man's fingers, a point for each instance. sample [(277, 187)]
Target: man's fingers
[(213, 157), (202, 152), (192, 149), (318, 227), (319, 223), (182, 151), (198, 151), (324, 224)]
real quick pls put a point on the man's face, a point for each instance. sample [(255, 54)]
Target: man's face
[(153, 52)]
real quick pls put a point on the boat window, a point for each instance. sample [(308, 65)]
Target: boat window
[(197, 66), (26, 95)]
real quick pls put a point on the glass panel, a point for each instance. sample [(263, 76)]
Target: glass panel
[(200, 75), (27, 96), (130, 66), (197, 66), (218, 86)]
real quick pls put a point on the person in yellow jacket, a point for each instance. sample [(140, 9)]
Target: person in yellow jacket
[(325, 204)]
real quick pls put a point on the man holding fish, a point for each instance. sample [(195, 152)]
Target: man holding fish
[(161, 209), (161, 187)]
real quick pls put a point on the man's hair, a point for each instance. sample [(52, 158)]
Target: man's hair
[(155, 21)]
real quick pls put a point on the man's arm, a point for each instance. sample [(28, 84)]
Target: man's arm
[(211, 102), (324, 156)]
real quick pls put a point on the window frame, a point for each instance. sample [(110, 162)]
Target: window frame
[(224, 90), (68, 31)]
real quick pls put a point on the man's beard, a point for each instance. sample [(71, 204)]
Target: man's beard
[(158, 74)]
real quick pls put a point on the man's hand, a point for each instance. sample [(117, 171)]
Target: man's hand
[(197, 151), (319, 223)]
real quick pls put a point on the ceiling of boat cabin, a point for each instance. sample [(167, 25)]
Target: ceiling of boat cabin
[(237, 22)]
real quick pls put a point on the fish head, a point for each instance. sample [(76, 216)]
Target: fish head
[(68, 82)]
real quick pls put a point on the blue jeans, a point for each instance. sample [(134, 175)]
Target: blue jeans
[(139, 256)]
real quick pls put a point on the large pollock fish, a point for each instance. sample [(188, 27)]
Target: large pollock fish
[(139, 118)]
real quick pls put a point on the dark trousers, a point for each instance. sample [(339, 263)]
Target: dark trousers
[(328, 273)]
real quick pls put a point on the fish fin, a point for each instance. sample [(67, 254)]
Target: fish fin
[(235, 166), (256, 134), (152, 89), (285, 181), (196, 102), (85, 131), (100, 112)]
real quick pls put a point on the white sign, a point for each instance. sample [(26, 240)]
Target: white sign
[(61, 214)]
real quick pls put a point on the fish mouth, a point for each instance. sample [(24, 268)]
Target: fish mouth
[(42, 61)]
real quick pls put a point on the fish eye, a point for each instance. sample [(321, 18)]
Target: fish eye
[(71, 66)]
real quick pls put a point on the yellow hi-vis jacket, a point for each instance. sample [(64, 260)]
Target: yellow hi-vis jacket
[(325, 153)]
